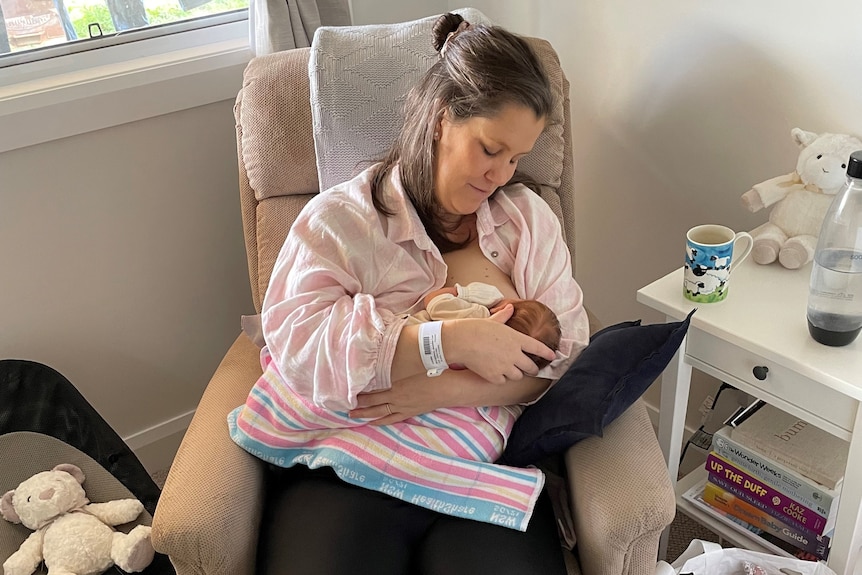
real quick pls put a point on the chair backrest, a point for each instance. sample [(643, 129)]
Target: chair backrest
[(278, 171)]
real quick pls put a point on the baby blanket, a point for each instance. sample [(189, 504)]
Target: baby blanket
[(440, 460)]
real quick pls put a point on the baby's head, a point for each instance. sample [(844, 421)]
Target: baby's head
[(538, 321)]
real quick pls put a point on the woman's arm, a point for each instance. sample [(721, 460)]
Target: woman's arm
[(323, 321), (420, 394), (488, 347)]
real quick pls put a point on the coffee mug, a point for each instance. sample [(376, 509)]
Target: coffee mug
[(709, 250)]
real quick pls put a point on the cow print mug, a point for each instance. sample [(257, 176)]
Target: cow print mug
[(709, 250)]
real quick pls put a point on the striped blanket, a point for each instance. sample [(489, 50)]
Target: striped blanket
[(440, 460)]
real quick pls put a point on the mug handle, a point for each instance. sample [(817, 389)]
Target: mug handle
[(738, 259)]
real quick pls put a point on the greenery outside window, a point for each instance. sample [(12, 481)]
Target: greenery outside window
[(39, 29)]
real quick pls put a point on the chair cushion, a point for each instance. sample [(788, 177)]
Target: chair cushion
[(274, 218), (611, 373), (274, 118)]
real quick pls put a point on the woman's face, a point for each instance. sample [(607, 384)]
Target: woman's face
[(477, 156)]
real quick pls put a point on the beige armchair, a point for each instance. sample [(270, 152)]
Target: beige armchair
[(209, 512)]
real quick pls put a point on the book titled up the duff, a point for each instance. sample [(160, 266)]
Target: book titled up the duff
[(734, 480), (796, 443)]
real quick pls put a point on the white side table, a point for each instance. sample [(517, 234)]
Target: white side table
[(762, 323)]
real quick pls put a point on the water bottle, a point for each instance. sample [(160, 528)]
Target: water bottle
[(835, 291)]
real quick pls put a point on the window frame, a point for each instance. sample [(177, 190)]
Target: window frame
[(81, 92)]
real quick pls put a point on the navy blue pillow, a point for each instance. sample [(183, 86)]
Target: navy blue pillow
[(611, 373)]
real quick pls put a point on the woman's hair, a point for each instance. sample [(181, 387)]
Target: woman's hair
[(538, 321), (480, 70)]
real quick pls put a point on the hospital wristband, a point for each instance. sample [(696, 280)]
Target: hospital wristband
[(431, 348)]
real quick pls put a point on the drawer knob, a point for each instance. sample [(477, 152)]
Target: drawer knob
[(760, 372)]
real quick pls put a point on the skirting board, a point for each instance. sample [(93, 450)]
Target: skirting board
[(156, 446)]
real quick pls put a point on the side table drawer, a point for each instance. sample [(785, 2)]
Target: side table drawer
[(794, 388)]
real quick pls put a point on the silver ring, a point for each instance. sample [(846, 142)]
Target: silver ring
[(388, 408)]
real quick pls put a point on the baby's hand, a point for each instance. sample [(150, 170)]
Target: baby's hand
[(476, 292)]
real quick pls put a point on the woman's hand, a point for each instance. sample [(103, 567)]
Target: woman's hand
[(491, 349), (421, 394), (406, 398), (498, 307)]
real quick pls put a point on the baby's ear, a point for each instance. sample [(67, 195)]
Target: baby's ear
[(6, 510)]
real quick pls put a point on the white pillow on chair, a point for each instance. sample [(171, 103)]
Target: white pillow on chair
[(359, 77)]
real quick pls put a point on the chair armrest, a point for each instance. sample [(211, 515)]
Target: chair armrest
[(621, 495), (208, 515)]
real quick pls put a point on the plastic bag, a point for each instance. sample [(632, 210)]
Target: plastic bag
[(708, 558)]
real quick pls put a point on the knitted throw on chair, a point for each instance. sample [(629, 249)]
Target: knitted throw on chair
[(358, 78)]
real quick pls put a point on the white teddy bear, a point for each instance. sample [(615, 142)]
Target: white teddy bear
[(801, 198), (72, 535)]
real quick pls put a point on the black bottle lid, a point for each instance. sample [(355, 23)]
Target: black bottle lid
[(854, 166)]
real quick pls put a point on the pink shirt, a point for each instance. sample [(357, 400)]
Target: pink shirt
[(347, 278)]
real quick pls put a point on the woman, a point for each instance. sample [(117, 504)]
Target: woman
[(359, 260)]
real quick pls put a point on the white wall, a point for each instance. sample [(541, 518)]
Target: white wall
[(389, 11), (678, 107), (123, 265)]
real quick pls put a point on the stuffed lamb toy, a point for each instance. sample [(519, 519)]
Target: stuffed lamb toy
[(72, 535), (800, 198)]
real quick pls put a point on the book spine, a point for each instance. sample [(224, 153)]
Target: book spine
[(758, 493), (794, 485), (775, 545), (697, 499), (781, 520), (727, 502), (790, 460)]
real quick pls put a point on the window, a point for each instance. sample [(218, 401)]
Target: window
[(40, 29), (75, 93)]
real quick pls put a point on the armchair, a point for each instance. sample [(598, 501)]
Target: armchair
[(208, 516)]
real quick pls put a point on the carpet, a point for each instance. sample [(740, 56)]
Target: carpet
[(682, 531)]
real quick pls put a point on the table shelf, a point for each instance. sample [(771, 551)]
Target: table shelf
[(762, 324)]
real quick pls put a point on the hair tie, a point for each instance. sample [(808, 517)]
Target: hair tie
[(464, 25)]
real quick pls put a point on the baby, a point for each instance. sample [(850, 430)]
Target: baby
[(479, 300)]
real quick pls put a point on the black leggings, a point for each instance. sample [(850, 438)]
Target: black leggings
[(316, 524)]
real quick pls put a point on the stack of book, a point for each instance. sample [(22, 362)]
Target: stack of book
[(776, 477)]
